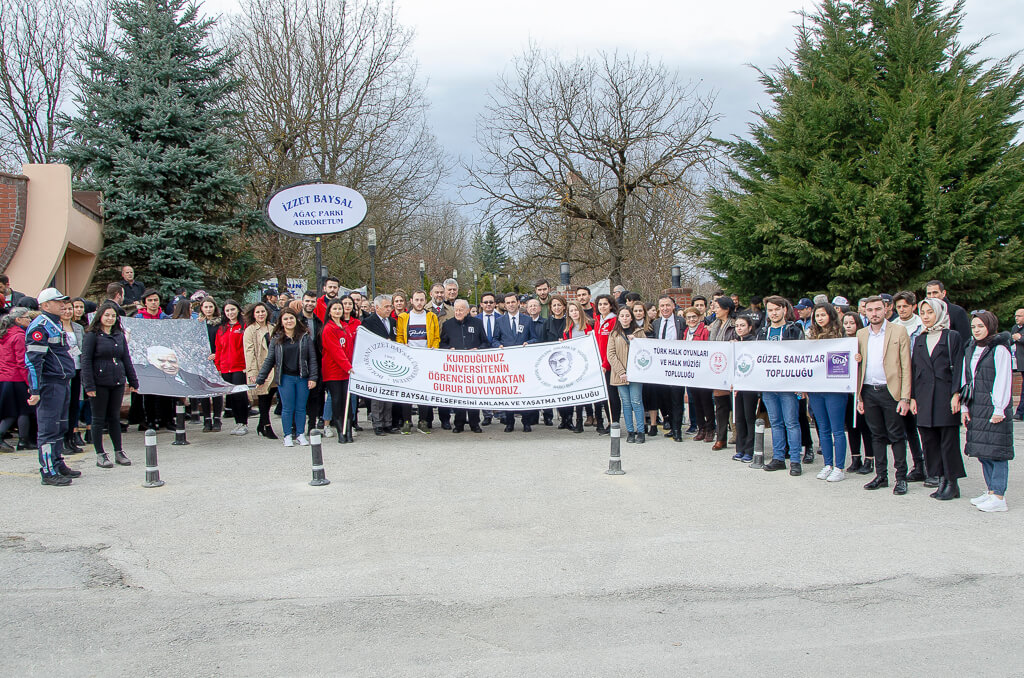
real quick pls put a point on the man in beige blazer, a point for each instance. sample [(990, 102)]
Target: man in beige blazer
[(884, 385)]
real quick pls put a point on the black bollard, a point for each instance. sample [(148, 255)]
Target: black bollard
[(758, 444), (152, 469), (179, 425), (316, 445), (615, 461)]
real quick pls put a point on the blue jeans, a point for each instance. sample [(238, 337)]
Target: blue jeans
[(830, 412), (631, 396), (784, 413), (997, 472), (328, 408), (293, 391)]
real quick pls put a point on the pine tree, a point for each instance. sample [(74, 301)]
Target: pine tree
[(492, 255), (886, 159), (150, 134)]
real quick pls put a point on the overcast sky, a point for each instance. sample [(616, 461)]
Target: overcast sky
[(463, 45)]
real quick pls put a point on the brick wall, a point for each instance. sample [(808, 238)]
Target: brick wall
[(13, 203), (683, 296)]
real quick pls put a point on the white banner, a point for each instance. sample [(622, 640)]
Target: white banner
[(818, 366), (517, 378), (702, 364)]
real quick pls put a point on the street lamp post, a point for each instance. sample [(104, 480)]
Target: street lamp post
[(676, 277), (423, 276), (371, 243), (564, 272), (476, 289)]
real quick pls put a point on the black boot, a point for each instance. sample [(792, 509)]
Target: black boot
[(938, 491), (868, 467), (950, 491), (78, 439), (207, 425), (578, 428), (855, 464), (640, 437), (69, 445), (216, 424), (653, 432), (808, 455)]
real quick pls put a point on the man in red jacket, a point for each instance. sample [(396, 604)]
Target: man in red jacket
[(331, 288)]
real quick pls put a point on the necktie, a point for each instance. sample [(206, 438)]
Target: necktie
[(515, 325), (664, 327), (489, 327)]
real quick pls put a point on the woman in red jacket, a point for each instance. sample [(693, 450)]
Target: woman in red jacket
[(604, 322), (337, 339), (577, 324), (14, 407), (229, 357)]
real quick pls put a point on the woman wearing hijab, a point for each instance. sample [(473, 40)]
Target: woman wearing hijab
[(987, 408), (937, 364)]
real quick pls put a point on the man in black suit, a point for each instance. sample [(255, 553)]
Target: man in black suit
[(1017, 340), (958, 320), (463, 332), (380, 323), (669, 326)]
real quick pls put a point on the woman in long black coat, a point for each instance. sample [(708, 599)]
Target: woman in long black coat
[(937, 366)]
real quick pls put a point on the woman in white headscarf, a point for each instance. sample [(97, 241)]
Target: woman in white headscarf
[(937, 366)]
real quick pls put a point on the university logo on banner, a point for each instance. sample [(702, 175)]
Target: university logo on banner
[(514, 378)]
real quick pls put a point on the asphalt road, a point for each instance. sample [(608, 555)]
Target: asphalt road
[(497, 555)]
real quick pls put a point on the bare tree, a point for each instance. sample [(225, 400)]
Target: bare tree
[(332, 94), (39, 61), (578, 141)]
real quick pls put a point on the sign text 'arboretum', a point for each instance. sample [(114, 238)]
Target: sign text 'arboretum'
[(315, 209)]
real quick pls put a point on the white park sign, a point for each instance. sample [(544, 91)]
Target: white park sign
[(308, 210)]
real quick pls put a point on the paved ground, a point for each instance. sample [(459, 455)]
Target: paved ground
[(497, 555)]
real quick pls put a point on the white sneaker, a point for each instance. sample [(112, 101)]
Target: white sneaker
[(288, 441), (993, 505), (824, 473), (836, 475), (328, 432), (240, 430), (981, 499), (302, 439)]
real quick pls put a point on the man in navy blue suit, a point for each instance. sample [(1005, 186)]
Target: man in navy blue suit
[(513, 329), (489, 318)]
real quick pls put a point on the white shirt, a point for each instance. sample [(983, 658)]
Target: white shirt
[(514, 322), (387, 323), (874, 369), (1004, 376), (668, 328)]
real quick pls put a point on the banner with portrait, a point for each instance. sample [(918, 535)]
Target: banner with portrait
[(517, 378), (171, 358), (819, 366)]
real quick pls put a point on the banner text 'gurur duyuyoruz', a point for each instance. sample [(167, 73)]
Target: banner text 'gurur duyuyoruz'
[(819, 366), (517, 378)]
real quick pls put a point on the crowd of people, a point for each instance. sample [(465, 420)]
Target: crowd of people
[(926, 368)]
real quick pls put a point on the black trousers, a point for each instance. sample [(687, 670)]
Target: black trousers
[(805, 425), (212, 407), (159, 410), (263, 402), (703, 407), (913, 442), (745, 416), (941, 447), (886, 429), (461, 415), (106, 416), (723, 412), (613, 398), (238, 403), (338, 389), (671, 403), (315, 405), (857, 432)]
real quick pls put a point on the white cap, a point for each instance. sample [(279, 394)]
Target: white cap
[(840, 301), (50, 294)]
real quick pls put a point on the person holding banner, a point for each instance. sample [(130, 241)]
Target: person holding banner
[(937, 362), (746, 401), (337, 340), (463, 332), (577, 325), (106, 369), (256, 344), (211, 407), (604, 322), (701, 399), (669, 399), (379, 322), (630, 393), (884, 384), (722, 329), (829, 409), (229, 357), (513, 329), (293, 356), (417, 327), (783, 406)]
